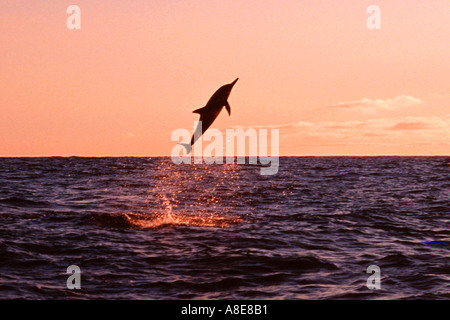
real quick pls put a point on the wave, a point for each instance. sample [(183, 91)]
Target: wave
[(18, 201)]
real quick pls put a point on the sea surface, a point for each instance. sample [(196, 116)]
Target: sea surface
[(145, 228)]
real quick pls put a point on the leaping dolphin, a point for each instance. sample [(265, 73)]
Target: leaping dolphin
[(210, 112)]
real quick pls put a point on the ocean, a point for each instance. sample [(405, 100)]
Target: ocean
[(145, 228)]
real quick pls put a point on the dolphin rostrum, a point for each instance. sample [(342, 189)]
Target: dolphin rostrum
[(210, 112)]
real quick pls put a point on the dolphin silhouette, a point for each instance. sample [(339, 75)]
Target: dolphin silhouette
[(210, 112)]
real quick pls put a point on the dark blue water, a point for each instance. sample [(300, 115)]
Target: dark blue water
[(144, 228)]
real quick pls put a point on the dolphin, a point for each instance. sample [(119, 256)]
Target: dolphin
[(210, 111)]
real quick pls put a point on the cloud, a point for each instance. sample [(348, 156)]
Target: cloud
[(372, 106), (410, 126), (372, 133)]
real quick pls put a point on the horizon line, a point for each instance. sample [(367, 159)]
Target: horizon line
[(238, 156)]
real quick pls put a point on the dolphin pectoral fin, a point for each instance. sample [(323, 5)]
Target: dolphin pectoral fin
[(199, 110), (227, 106)]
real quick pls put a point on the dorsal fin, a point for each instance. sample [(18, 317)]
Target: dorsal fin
[(199, 110)]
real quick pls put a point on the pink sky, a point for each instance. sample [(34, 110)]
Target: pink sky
[(136, 70)]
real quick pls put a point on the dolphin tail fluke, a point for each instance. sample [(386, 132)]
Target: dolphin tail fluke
[(187, 146)]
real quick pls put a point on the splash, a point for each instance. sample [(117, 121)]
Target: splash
[(153, 221), (173, 181), (170, 218)]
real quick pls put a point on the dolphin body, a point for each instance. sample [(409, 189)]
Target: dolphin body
[(210, 112)]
